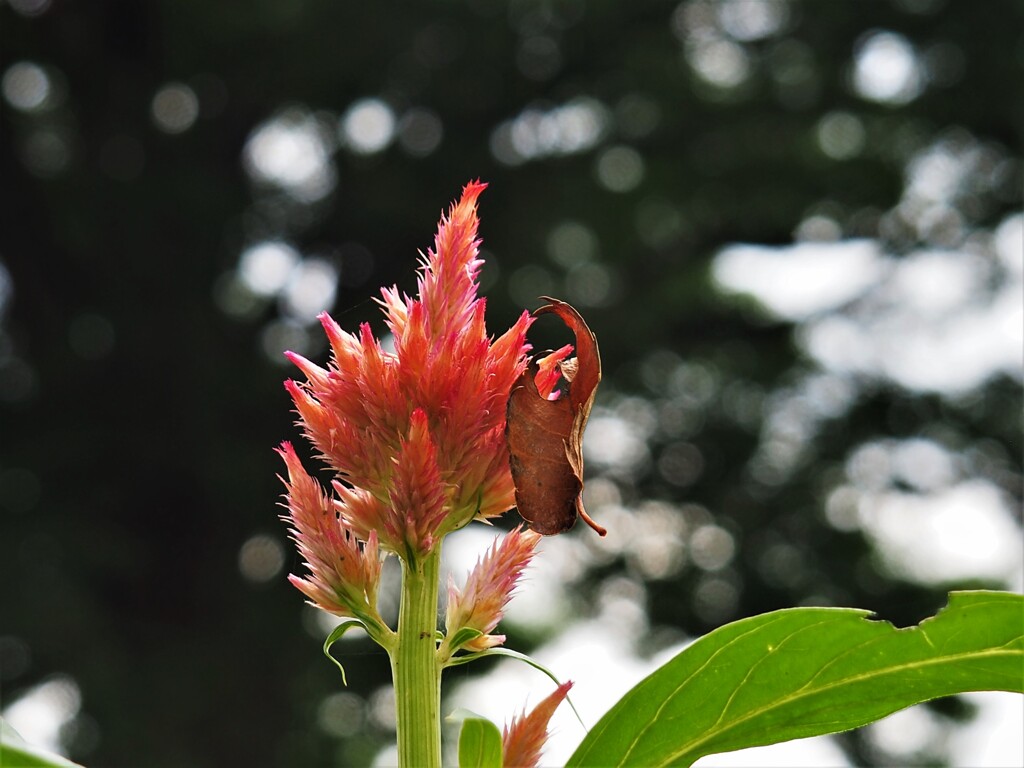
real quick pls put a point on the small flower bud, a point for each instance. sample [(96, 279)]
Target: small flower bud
[(481, 603), (523, 739), (344, 575)]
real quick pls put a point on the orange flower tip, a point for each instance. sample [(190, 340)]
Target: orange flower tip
[(329, 324), (473, 188), (366, 335), (294, 389), (287, 451), (530, 536), (291, 458), (311, 369), (523, 739), (335, 335), (543, 711), (418, 419), (526, 319), (547, 707)]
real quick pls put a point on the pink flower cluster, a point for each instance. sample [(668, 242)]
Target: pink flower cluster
[(416, 437)]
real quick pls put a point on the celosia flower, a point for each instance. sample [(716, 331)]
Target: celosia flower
[(523, 740), (481, 603), (344, 575), (417, 437)]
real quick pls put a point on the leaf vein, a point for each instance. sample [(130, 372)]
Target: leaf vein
[(762, 660), (778, 703), (668, 699)]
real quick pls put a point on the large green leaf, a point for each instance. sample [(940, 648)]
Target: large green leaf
[(804, 672)]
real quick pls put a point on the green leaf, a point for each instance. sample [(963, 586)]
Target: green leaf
[(454, 661), (479, 744), (804, 672), (499, 651), (14, 751), (463, 636), (335, 636)]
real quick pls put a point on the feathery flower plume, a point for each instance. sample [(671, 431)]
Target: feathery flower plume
[(481, 603), (417, 437), (344, 575), (523, 740)]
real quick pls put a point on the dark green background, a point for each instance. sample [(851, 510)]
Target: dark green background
[(130, 476)]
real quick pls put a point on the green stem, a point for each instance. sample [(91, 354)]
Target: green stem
[(415, 667)]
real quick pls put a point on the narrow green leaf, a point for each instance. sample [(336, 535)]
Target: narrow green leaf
[(334, 637), (805, 672), (479, 744), (456, 660), (14, 751)]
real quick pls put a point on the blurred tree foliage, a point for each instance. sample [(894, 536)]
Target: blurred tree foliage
[(625, 145)]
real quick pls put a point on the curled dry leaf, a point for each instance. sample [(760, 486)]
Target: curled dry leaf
[(545, 437)]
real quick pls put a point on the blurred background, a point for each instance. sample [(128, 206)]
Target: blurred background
[(795, 227)]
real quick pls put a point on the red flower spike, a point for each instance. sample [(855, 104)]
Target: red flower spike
[(417, 437), (523, 740), (481, 603)]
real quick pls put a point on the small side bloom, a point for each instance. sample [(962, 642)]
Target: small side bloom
[(524, 738), (481, 603), (344, 575)]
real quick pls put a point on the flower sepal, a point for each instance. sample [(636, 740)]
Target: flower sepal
[(339, 631), (335, 636), (465, 658), (459, 640)]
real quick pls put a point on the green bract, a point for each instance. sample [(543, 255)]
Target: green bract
[(479, 743)]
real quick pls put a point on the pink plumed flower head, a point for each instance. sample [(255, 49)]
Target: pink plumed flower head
[(416, 437)]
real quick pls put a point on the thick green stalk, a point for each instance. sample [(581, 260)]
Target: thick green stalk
[(415, 668)]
